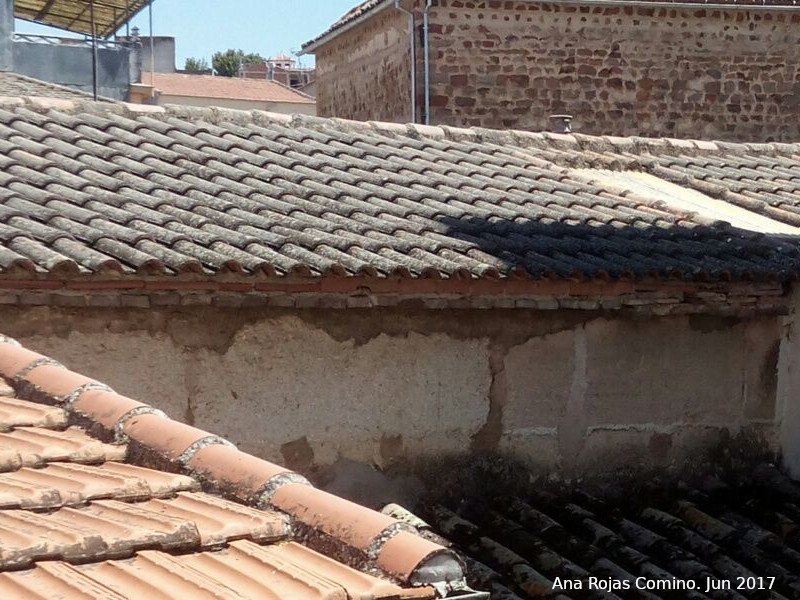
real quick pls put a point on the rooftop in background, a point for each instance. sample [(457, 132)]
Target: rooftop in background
[(74, 15), (229, 88), (100, 499), (13, 84)]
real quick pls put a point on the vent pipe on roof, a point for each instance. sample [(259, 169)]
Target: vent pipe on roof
[(561, 123)]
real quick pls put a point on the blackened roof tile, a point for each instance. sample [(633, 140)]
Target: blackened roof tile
[(744, 525)]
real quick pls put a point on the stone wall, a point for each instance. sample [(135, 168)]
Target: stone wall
[(569, 391), (364, 73), (732, 75), (699, 73)]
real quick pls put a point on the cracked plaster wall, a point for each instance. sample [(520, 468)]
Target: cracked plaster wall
[(572, 391)]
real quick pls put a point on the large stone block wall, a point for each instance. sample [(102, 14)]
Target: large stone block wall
[(699, 73), (364, 73), (568, 391), (732, 75)]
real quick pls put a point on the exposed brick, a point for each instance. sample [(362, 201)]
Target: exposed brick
[(619, 70)]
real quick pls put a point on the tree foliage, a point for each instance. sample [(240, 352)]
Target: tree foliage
[(228, 63), (196, 65)]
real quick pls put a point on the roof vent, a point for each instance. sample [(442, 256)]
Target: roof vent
[(561, 123)]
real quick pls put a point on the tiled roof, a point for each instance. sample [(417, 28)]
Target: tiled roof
[(128, 191), (362, 10), (227, 88), (103, 497), (13, 84), (743, 525)]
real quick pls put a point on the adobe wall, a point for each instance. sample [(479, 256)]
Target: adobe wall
[(364, 73), (710, 74), (564, 390)]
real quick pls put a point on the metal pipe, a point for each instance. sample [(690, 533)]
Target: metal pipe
[(412, 24), (427, 33), (152, 49), (94, 51)]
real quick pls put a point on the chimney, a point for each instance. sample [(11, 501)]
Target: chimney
[(561, 123), (6, 35)]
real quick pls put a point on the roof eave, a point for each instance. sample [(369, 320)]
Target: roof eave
[(313, 45)]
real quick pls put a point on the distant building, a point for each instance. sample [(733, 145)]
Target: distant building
[(68, 61), (283, 69), (227, 92), (310, 89)]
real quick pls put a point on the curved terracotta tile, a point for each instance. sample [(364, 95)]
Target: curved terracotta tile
[(62, 484), (358, 584), (234, 471), (103, 530), (218, 520), (105, 407), (15, 358), (36, 446), (21, 413), (56, 381), (49, 580), (163, 435), (253, 573), (346, 521), (405, 553), (159, 575)]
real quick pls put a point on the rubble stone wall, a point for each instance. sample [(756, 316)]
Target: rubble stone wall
[(657, 72)]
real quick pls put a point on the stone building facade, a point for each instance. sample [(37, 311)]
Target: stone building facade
[(626, 68)]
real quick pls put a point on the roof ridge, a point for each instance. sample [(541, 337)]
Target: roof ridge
[(517, 137), (156, 440)]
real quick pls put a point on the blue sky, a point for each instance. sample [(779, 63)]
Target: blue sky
[(204, 26)]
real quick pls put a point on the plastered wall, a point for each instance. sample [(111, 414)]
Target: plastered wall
[(568, 391)]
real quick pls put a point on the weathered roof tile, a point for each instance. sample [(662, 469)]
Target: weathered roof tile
[(269, 186)]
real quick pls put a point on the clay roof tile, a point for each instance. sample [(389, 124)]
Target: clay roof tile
[(106, 514)]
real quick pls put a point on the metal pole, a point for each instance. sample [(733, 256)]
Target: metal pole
[(412, 24), (94, 51), (152, 49), (427, 28), (127, 19)]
